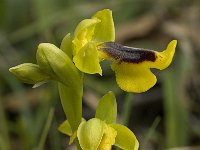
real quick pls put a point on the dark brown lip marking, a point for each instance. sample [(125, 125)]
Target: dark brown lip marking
[(128, 54)]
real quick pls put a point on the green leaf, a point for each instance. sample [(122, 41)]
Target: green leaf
[(66, 45), (125, 138), (65, 128), (87, 59), (105, 30), (29, 73), (107, 108), (90, 134)]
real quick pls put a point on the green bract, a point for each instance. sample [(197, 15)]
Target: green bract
[(58, 65)]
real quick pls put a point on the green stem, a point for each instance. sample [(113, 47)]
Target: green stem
[(46, 129), (150, 133), (127, 108)]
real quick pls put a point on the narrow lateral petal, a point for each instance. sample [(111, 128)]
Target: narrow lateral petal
[(133, 77), (125, 138), (87, 59), (83, 33)]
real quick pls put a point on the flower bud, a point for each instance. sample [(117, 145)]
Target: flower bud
[(57, 64), (29, 73)]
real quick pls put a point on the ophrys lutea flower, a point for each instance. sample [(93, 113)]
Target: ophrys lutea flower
[(101, 132), (132, 65), (94, 41)]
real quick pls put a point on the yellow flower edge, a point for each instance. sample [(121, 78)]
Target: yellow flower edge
[(125, 138), (133, 77)]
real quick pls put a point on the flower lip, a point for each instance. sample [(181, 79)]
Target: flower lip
[(127, 54)]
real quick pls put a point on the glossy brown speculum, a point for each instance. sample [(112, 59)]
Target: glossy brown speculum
[(128, 54)]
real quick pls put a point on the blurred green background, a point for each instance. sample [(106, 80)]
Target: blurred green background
[(165, 117)]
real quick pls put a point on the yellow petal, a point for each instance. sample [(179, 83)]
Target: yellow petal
[(86, 60), (108, 138), (82, 29), (83, 33), (133, 77), (164, 58)]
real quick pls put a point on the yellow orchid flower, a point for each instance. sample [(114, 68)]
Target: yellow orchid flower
[(101, 132), (132, 65), (88, 34), (93, 42)]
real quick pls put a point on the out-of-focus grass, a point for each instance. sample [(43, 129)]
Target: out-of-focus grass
[(4, 136), (45, 131), (176, 125), (150, 134)]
